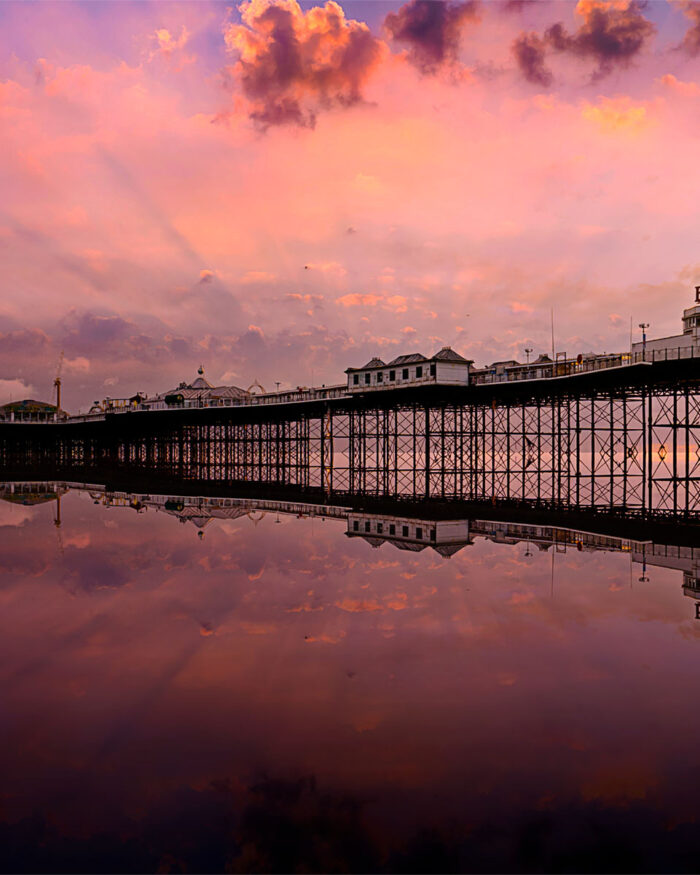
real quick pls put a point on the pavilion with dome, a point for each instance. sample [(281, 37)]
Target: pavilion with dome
[(200, 391)]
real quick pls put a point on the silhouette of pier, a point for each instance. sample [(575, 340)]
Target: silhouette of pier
[(629, 444)]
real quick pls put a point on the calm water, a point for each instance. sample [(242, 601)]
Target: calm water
[(264, 693)]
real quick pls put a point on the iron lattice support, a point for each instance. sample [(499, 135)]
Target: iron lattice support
[(635, 450)]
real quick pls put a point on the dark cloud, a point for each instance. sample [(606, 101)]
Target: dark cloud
[(91, 332), (516, 5), (691, 40), (251, 343), (91, 571), (529, 51), (24, 340), (292, 63), (180, 347), (432, 30), (286, 111), (610, 35)]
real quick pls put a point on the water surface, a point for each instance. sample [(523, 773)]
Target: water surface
[(260, 691)]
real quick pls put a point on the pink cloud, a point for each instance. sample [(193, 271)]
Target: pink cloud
[(463, 196), (686, 89)]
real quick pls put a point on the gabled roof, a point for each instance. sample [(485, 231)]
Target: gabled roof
[(447, 550), (411, 546), (447, 354), (228, 392), (200, 383), (414, 357), (373, 542)]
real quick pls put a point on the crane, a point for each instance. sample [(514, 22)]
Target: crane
[(57, 382)]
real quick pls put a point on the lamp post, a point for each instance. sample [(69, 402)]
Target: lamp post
[(528, 350), (644, 326)]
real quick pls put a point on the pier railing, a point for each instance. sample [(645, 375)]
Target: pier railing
[(294, 397), (520, 373), (571, 367)]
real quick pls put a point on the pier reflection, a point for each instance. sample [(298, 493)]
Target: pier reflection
[(214, 680), (444, 528)]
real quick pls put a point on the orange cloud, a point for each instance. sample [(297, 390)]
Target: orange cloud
[(357, 300), (292, 63), (616, 114), (358, 605), (167, 45), (687, 89)]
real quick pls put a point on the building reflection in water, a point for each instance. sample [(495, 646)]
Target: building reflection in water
[(289, 692)]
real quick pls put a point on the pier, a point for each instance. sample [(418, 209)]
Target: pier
[(611, 433)]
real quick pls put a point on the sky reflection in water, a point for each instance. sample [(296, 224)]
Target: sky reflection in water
[(275, 696)]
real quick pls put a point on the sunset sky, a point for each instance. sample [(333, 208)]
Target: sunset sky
[(279, 190)]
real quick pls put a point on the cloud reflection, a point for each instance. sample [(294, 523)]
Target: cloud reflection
[(333, 714)]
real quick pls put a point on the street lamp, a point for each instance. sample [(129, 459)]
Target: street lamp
[(528, 350), (644, 326)]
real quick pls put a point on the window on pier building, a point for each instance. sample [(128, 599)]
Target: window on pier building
[(392, 376), (432, 534), (419, 372), (367, 377), (419, 533), (355, 379), (432, 369), (356, 526), (380, 528), (405, 531), (392, 529), (404, 373), (366, 527), (380, 377)]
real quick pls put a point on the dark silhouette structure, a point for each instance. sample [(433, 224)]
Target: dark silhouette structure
[(625, 441)]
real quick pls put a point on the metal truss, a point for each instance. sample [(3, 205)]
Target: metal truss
[(634, 450)]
